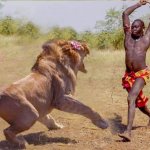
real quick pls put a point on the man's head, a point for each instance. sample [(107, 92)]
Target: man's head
[(137, 28)]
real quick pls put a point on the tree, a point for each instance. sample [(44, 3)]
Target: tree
[(8, 26), (110, 30), (29, 29), (90, 38), (117, 39), (112, 21), (103, 40), (66, 33)]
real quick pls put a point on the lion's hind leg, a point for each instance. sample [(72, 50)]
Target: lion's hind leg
[(10, 134), (20, 115), (69, 104), (50, 122)]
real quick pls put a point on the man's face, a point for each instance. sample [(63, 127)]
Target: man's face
[(137, 28)]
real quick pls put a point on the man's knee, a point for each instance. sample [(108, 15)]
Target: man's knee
[(131, 99)]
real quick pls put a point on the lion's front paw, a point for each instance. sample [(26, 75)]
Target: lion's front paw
[(56, 127), (101, 123)]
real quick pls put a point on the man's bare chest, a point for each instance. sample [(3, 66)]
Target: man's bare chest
[(138, 45)]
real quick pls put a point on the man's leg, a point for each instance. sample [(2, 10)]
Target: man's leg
[(132, 96), (146, 111)]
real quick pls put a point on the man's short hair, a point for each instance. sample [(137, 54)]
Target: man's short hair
[(141, 21)]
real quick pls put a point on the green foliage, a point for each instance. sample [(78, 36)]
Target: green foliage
[(110, 32), (54, 33), (103, 40), (29, 29), (8, 26), (112, 40), (108, 35), (117, 39), (66, 33), (112, 21), (90, 38)]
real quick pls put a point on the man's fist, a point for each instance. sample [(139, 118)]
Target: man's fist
[(143, 2)]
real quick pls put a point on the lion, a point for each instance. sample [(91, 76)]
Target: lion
[(50, 85)]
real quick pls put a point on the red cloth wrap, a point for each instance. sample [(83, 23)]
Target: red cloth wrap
[(128, 80)]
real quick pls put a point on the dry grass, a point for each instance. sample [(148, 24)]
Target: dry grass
[(100, 88)]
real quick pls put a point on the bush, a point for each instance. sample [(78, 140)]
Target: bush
[(29, 29), (104, 40), (90, 38), (117, 39), (66, 33), (8, 26)]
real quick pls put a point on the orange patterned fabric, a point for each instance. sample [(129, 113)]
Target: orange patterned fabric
[(128, 80)]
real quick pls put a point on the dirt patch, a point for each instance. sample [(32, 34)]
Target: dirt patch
[(100, 89)]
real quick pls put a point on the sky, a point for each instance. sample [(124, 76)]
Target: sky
[(80, 15)]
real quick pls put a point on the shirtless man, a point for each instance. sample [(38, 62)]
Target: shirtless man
[(136, 44)]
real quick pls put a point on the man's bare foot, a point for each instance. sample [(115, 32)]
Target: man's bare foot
[(126, 136)]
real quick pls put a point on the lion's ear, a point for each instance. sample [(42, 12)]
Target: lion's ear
[(86, 48), (46, 48), (49, 47)]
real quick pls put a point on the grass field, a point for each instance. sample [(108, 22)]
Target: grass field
[(100, 89)]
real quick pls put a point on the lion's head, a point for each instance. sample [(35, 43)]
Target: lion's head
[(72, 52)]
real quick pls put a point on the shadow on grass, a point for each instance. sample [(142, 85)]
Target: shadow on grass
[(5, 145), (39, 138), (116, 125)]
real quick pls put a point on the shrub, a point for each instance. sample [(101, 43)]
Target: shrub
[(8, 26), (29, 29), (104, 40), (66, 33), (90, 38), (117, 39)]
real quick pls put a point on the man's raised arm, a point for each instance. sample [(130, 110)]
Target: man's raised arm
[(148, 31), (127, 12)]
